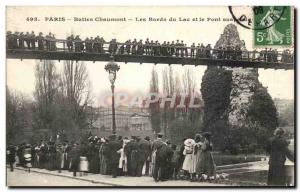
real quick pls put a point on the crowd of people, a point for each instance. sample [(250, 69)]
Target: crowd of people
[(118, 156), (177, 48)]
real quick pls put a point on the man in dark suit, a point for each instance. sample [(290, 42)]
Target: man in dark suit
[(114, 146), (163, 160), (127, 151), (278, 150), (144, 151), (11, 156), (134, 157), (75, 158), (157, 144)]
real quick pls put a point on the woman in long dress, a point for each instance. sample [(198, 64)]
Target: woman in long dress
[(93, 157), (196, 155), (188, 160), (59, 157), (206, 164), (51, 157), (123, 158), (27, 157), (103, 157), (83, 164)]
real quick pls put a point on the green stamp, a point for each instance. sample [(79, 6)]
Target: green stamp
[(273, 26)]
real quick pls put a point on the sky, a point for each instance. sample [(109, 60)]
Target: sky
[(132, 77)]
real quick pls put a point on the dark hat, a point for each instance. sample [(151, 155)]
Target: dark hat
[(147, 138), (168, 142), (28, 145), (207, 134), (160, 135), (279, 131), (137, 138)]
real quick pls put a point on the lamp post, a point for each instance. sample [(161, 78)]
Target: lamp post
[(112, 68)]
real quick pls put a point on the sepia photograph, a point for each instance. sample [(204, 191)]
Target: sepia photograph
[(150, 96)]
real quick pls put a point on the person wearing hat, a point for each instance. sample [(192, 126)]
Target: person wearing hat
[(40, 40), (15, 38), (93, 156), (21, 40), (32, 40), (134, 156), (70, 40), (88, 45), (11, 156), (9, 40), (206, 163), (74, 158), (51, 156), (157, 143), (196, 155), (59, 157), (84, 163), (66, 150), (163, 159), (127, 150), (147, 164), (123, 158), (147, 48), (278, 150), (27, 40), (43, 152), (113, 147), (144, 151), (53, 43), (48, 39), (207, 51), (188, 153), (27, 156), (140, 48), (78, 42)]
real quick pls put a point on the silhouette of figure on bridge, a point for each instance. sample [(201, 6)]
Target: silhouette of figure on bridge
[(150, 47)]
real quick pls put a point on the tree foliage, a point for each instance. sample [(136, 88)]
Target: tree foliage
[(154, 107), (215, 89), (18, 116)]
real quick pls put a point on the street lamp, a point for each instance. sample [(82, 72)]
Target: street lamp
[(112, 68)]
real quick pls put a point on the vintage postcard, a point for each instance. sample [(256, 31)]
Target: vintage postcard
[(150, 96)]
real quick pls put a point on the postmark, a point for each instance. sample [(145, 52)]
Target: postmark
[(271, 25)]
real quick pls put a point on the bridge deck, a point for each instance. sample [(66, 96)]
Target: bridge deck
[(83, 56)]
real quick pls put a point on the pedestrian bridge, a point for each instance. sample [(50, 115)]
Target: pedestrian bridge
[(228, 58)]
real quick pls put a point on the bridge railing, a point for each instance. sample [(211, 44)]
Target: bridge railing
[(75, 46)]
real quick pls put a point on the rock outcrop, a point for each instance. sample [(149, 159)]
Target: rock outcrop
[(228, 93)]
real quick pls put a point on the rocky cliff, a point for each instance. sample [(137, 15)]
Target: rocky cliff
[(230, 93)]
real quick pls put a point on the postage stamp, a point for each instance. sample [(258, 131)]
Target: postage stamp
[(271, 25), (274, 26)]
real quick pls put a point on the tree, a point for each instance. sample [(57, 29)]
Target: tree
[(215, 89), (76, 89), (188, 81), (154, 107), (18, 117), (46, 87)]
